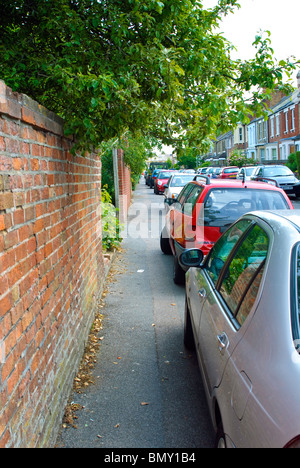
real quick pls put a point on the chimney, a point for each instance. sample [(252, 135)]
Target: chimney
[(276, 97)]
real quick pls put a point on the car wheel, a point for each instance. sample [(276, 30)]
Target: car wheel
[(165, 243), (189, 340), (178, 273)]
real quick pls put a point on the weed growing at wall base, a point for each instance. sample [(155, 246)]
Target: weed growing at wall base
[(110, 224)]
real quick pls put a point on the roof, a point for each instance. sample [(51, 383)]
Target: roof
[(236, 183), (290, 216)]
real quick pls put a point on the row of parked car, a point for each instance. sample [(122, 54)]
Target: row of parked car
[(278, 175), (236, 246)]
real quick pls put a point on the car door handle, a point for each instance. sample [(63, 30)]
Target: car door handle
[(202, 293), (223, 342)]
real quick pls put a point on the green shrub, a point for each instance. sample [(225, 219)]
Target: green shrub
[(294, 162), (110, 224)]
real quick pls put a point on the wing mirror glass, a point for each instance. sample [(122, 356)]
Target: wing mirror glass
[(191, 258)]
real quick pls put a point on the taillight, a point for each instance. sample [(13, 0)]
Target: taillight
[(294, 443)]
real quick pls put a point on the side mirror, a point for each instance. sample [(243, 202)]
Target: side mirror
[(166, 186), (191, 258), (172, 201)]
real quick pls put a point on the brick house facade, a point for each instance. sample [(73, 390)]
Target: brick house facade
[(284, 128), (266, 141)]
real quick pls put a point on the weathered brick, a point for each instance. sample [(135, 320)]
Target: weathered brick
[(48, 256), (6, 200), (5, 304), (2, 223), (2, 144)]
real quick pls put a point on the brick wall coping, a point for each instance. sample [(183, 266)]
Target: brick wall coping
[(21, 107)]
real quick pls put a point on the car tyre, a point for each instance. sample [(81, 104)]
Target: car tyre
[(165, 243), (188, 337), (178, 273)]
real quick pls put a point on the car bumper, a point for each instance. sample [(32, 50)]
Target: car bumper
[(291, 189)]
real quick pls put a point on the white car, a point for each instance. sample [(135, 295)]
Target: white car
[(242, 318), (173, 188), (245, 173)]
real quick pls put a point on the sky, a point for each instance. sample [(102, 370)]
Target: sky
[(280, 17)]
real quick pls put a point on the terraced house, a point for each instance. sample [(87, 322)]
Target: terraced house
[(264, 141), (283, 127)]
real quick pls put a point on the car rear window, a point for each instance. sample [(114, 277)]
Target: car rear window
[(164, 175), (224, 206), (226, 171), (182, 180)]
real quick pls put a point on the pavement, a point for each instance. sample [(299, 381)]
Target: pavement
[(148, 391)]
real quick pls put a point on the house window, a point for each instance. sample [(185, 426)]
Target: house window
[(262, 154), (261, 130), (240, 134), (250, 138), (272, 127), (286, 121), (274, 154), (293, 119), (277, 124)]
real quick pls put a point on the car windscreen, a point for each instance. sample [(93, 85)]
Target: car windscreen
[(250, 170), (182, 180), (277, 171), (224, 206)]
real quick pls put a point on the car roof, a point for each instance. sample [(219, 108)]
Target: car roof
[(237, 183), (278, 216), (230, 167)]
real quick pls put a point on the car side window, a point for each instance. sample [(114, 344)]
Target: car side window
[(184, 194), (191, 199), (222, 249), (243, 275)]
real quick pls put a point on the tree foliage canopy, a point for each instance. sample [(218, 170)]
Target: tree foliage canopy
[(152, 66)]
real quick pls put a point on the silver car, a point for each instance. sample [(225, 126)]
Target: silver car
[(242, 318)]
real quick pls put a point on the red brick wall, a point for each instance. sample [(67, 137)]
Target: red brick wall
[(51, 268), (292, 132), (124, 187)]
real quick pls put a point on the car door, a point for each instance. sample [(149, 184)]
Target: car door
[(227, 305), (175, 215), (203, 281), (189, 217), (178, 217)]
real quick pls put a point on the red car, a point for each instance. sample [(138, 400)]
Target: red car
[(161, 179), (206, 208), (229, 172)]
